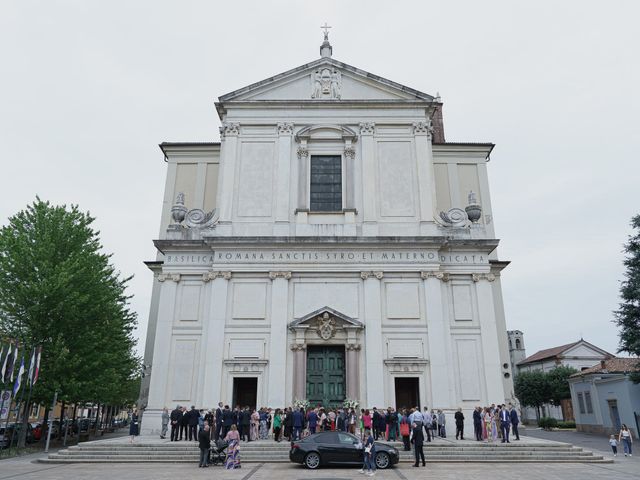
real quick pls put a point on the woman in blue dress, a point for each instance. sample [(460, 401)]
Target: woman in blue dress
[(133, 426)]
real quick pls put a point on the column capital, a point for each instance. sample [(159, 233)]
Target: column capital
[(350, 153), (367, 128), (213, 274), (229, 129), (274, 275), (174, 277), (303, 152), (489, 277), (353, 347), (285, 128), (366, 275), (423, 128), (444, 276), (298, 347)]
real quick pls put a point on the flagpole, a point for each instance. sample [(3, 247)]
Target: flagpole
[(19, 404), (22, 439), (53, 407)]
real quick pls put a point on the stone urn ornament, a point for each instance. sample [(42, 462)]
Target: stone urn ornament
[(474, 210), (179, 211)]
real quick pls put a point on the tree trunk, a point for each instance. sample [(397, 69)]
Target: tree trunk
[(62, 415), (73, 419), (45, 424)]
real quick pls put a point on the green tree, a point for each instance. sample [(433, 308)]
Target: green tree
[(532, 389), (558, 383), (59, 290), (627, 317)]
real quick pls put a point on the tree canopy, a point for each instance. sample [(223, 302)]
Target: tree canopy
[(537, 388), (627, 317), (59, 290)]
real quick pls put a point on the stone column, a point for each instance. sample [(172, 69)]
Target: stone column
[(369, 175), (214, 338), (226, 183), (373, 338), (278, 337), (349, 159), (489, 334), (353, 369), (299, 371), (158, 384), (283, 175), (303, 181), (426, 176), (439, 339)]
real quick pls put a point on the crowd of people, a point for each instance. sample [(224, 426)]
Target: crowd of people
[(409, 425)]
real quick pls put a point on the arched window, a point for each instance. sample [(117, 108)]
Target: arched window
[(517, 344)]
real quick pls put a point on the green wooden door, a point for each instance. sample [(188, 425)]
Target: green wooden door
[(325, 375)]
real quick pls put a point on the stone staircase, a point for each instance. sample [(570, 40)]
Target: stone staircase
[(272, 452)]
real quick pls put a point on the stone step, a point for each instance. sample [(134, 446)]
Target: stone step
[(593, 459)]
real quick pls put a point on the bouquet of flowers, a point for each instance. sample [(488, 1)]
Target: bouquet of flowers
[(301, 403), (350, 403)]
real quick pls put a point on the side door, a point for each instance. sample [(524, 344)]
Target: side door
[(329, 447), (351, 449)]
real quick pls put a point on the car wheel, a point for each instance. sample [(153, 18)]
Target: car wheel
[(382, 460), (312, 460)]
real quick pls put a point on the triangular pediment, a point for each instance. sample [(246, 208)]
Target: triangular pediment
[(326, 79), (586, 350), (323, 315)]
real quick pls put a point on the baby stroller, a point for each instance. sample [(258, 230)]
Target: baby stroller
[(218, 452)]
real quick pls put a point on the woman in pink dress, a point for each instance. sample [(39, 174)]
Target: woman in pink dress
[(255, 421), (233, 449)]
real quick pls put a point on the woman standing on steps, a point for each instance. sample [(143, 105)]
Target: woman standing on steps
[(233, 449), (133, 427)]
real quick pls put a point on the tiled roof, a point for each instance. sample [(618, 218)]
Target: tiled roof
[(548, 353), (613, 365)]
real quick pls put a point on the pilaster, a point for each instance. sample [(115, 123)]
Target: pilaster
[(353, 371), (216, 319), (278, 337), (426, 178), (283, 176), (373, 338), (490, 336), (369, 176), (229, 133), (158, 396), (299, 371), (439, 339)]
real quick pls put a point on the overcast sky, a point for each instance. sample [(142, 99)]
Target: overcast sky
[(89, 89)]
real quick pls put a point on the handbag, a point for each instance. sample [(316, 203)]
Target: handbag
[(404, 429)]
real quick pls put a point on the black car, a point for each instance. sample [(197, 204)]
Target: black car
[(339, 448)]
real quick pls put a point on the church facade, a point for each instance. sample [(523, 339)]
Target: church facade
[(331, 246)]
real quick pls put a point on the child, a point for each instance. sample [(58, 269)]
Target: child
[(614, 445)]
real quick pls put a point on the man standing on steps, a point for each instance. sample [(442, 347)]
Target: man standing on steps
[(218, 420), (165, 422), (176, 416), (426, 422), (477, 423), (505, 424), (227, 420), (514, 421), (184, 424), (418, 442), (194, 416)]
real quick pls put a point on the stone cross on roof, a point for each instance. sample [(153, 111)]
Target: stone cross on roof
[(326, 28)]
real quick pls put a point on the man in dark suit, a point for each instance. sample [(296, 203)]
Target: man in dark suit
[(184, 424), (244, 418), (505, 424), (375, 421), (418, 442), (176, 416), (194, 416), (227, 420), (218, 420), (298, 423), (514, 421), (477, 423)]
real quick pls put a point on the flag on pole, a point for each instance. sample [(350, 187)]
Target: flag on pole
[(3, 352), (31, 365), (36, 371), (7, 359), (16, 386), (12, 363)]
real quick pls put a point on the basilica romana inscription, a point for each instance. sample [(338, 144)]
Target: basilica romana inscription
[(325, 257)]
